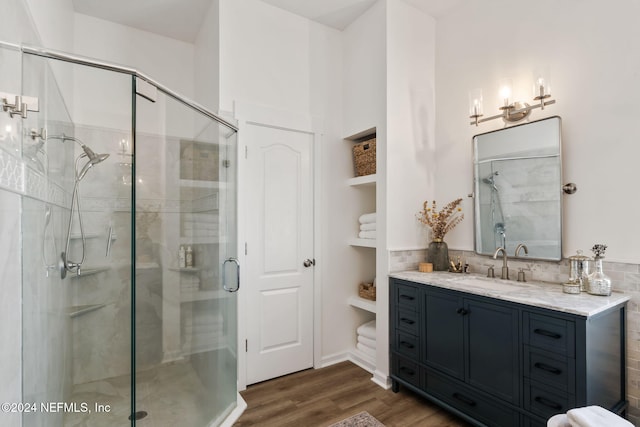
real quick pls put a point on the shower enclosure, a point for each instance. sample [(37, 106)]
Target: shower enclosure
[(128, 246)]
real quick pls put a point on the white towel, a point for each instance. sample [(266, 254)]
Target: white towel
[(371, 352), (371, 343), (367, 218), (367, 330), (595, 416), (367, 234), (559, 420), (369, 226)]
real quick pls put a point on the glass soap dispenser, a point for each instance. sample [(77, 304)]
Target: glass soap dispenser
[(599, 283)]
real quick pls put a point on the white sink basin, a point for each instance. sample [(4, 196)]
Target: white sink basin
[(491, 284)]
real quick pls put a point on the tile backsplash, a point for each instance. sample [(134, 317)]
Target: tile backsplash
[(625, 278)]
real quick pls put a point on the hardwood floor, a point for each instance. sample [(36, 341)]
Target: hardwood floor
[(320, 397)]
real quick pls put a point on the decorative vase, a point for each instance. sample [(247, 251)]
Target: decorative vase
[(599, 283), (438, 255)]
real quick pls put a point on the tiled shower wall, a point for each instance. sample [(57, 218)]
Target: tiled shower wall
[(625, 278)]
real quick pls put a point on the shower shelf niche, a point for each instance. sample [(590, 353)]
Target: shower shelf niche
[(185, 269), (90, 271), (201, 296), (76, 236), (202, 240), (79, 310), (193, 183)]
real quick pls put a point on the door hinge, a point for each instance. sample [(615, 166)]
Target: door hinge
[(246, 152), (246, 346), (245, 248)]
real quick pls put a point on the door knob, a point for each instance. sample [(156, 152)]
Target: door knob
[(308, 263)]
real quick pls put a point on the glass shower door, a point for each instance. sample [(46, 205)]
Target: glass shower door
[(185, 321), (76, 284)]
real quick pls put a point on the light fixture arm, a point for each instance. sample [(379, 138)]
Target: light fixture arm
[(513, 114)]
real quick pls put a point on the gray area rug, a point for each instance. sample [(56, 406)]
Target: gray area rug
[(363, 419)]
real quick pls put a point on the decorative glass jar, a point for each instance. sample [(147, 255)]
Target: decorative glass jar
[(599, 283), (438, 255)]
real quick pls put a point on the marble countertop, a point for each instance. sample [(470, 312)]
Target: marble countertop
[(537, 294)]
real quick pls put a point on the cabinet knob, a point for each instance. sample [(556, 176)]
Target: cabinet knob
[(463, 312)]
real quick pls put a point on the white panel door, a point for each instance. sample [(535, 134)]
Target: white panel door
[(279, 241)]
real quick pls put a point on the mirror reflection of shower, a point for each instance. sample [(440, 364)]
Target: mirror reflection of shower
[(497, 213), (66, 264)]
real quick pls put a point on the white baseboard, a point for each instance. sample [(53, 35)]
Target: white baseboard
[(362, 360), (381, 379), (230, 420), (332, 359)]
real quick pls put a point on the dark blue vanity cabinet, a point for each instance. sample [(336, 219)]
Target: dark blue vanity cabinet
[(499, 363)]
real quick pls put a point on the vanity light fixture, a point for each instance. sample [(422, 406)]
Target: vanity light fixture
[(512, 111)]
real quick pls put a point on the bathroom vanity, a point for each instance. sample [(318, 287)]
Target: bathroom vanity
[(503, 353)]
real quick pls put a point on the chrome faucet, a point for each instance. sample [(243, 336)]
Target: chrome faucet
[(522, 246), (505, 267), (521, 277)]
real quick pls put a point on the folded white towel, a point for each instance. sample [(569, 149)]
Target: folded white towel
[(367, 234), (371, 352), (559, 420), (367, 330), (595, 416), (367, 218), (371, 343), (369, 226)]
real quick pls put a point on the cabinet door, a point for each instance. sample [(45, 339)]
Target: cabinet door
[(492, 344), (444, 343)]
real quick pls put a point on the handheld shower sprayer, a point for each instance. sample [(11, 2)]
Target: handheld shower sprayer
[(491, 180), (66, 265), (94, 158)]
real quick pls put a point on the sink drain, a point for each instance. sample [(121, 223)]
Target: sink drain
[(138, 415)]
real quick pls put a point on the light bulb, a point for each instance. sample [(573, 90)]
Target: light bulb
[(541, 88), (505, 91), (475, 103)]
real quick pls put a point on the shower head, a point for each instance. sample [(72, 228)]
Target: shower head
[(491, 180), (94, 158)]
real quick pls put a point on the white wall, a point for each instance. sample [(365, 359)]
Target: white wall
[(365, 74), (411, 122), (207, 59), (594, 79), (53, 20), (168, 61)]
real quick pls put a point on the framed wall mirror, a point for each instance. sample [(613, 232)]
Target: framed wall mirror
[(518, 189)]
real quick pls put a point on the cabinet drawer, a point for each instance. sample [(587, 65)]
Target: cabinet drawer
[(407, 321), (406, 370), (472, 403), (407, 345), (531, 421), (550, 368), (407, 296), (550, 333), (545, 402)]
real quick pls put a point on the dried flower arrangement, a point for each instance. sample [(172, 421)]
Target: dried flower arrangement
[(443, 221), (598, 250)]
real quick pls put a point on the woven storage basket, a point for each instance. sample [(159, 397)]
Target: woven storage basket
[(367, 291), (364, 157)]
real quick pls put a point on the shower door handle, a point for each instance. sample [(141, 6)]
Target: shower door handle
[(224, 275)]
